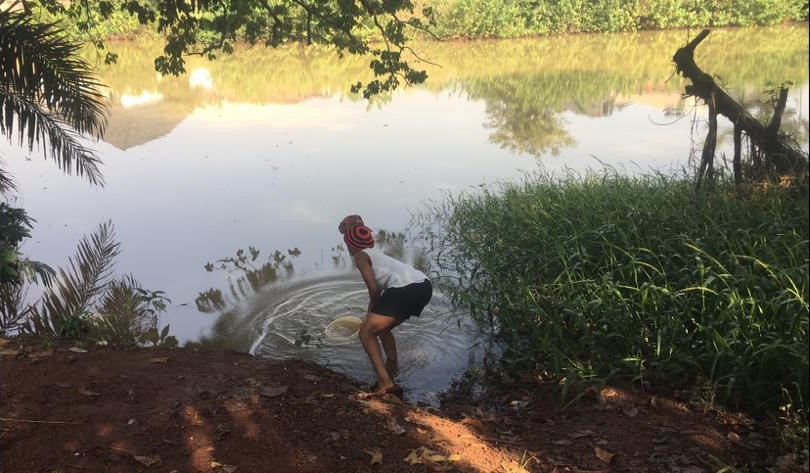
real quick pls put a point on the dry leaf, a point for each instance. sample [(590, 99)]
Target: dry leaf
[(582, 433), (413, 458), (273, 391), (222, 467), (376, 456), (40, 354), (604, 455), (473, 423), (631, 411), (77, 350), (395, 428), (159, 359), (9, 352), (146, 461), (88, 392), (424, 455)]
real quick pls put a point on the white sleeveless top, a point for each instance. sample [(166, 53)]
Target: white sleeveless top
[(390, 272)]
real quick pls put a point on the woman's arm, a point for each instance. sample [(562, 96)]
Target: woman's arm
[(363, 262)]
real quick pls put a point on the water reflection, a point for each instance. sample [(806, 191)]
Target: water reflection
[(245, 277), (525, 84)]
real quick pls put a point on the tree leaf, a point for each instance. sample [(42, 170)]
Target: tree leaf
[(146, 461), (376, 456)]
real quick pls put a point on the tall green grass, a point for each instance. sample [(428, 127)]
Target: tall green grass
[(610, 275)]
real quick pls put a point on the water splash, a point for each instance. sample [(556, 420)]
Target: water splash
[(433, 349)]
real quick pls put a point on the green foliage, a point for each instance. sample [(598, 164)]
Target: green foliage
[(85, 302), (67, 302), (48, 95), (209, 29), (606, 275), (127, 316), (16, 270), (514, 18), (15, 225)]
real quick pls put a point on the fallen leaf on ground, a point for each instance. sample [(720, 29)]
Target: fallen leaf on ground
[(630, 412), (77, 350), (146, 461), (159, 359), (424, 455), (88, 392), (273, 391), (9, 352), (222, 467), (376, 456), (513, 468), (40, 354), (473, 423), (604, 455), (395, 428), (583, 433)]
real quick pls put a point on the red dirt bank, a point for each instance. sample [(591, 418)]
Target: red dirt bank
[(184, 410)]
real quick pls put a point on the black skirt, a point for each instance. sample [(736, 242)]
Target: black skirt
[(403, 302)]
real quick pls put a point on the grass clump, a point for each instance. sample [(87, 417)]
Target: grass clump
[(605, 275)]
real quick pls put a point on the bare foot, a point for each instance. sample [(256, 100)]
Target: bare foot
[(394, 389)]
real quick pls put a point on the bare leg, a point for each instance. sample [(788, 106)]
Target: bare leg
[(369, 331), (390, 347)]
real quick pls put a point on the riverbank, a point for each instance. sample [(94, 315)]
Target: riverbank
[(188, 410)]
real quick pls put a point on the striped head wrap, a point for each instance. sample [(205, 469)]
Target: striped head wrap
[(359, 237), (349, 222)]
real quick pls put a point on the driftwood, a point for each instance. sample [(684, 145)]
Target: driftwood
[(772, 153)]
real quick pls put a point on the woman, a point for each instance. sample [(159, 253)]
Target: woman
[(396, 292)]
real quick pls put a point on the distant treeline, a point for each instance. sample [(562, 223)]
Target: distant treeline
[(478, 19), (516, 18)]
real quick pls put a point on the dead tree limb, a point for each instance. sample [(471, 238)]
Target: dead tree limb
[(781, 155), (706, 168)]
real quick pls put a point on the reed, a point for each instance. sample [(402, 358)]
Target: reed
[(606, 275)]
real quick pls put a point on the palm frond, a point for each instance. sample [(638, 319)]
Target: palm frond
[(77, 287), (36, 271), (122, 318), (37, 126), (12, 308), (39, 61), (6, 182), (50, 91)]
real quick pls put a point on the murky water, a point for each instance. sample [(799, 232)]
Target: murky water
[(266, 148)]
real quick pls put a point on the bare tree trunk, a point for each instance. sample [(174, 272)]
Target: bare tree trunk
[(706, 169), (736, 163), (781, 155)]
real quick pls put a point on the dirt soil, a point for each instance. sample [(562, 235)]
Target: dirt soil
[(188, 410)]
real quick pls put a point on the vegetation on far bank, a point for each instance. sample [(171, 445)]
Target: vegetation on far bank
[(515, 18), (477, 19)]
